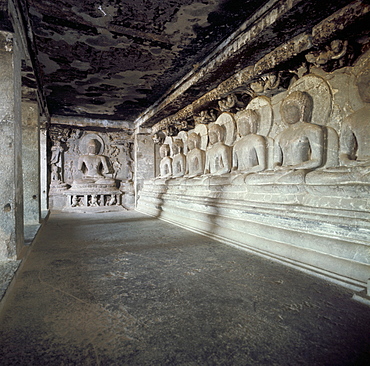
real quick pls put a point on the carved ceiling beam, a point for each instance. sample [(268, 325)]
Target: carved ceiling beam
[(261, 72)]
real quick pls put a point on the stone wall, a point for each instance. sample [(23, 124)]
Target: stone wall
[(280, 167)]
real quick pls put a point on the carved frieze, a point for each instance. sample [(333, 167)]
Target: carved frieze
[(287, 137), (334, 56)]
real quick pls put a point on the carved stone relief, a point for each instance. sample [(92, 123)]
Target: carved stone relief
[(196, 157), (218, 154), (334, 56), (296, 136), (227, 120), (249, 151), (206, 116), (165, 167), (89, 167), (178, 158)]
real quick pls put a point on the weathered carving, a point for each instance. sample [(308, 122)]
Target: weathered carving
[(93, 165), (336, 55), (266, 83), (57, 184), (228, 103), (355, 134), (218, 155), (207, 116), (227, 120), (92, 188), (196, 157), (184, 125), (158, 137), (56, 161), (249, 153), (165, 166), (301, 144), (299, 147), (354, 153), (178, 159)]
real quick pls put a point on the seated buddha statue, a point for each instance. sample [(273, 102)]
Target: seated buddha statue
[(178, 159), (195, 158), (354, 151), (165, 165), (218, 154), (93, 166), (249, 153), (299, 148)]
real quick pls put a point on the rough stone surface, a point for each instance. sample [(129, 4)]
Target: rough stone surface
[(114, 59), (7, 270), (145, 160), (127, 289), (44, 189), (31, 163), (11, 188)]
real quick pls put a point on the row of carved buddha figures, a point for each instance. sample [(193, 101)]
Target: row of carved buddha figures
[(300, 153)]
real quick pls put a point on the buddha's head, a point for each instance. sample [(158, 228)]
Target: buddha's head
[(92, 147), (248, 122), (216, 133), (177, 146), (164, 150), (296, 107), (194, 141)]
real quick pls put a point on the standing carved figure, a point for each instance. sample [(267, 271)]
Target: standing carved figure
[(56, 162)]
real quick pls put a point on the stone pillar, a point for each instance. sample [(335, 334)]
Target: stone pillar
[(144, 159), (11, 187), (43, 172), (31, 163)]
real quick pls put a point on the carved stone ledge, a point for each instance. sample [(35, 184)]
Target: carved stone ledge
[(283, 53)]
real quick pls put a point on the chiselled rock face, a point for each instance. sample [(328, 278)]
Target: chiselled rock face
[(363, 85), (113, 59)]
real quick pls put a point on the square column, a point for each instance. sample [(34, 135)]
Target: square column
[(144, 159), (11, 183), (44, 172), (31, 163)]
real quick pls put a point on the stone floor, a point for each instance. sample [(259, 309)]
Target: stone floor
[(126, 289), (8, 268)]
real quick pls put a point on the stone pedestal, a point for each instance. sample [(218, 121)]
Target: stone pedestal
[(299, 225), (92, 195), (11, 188)]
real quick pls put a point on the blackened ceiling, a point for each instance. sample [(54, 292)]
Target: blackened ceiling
[(112, 59)]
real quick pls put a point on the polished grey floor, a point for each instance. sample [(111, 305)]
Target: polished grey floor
[(127, 289)]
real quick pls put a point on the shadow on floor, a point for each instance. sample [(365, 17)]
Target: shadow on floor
[(126, 289)]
